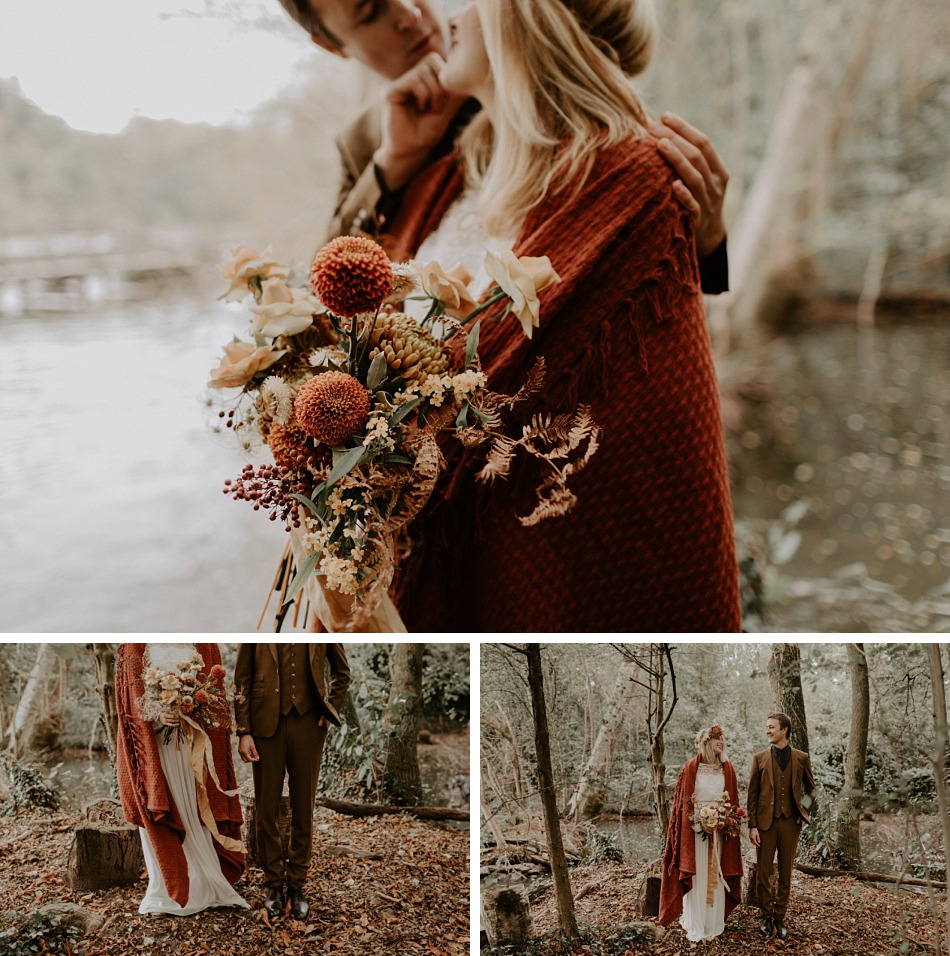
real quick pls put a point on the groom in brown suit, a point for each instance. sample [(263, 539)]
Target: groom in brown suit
[(780, 789), (282, 711)]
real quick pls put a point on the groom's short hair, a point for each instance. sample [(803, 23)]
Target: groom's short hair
[(783, 722)]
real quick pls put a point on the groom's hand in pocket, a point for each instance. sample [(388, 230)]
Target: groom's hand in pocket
[(246, 749)]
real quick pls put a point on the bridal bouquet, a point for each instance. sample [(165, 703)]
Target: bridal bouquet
[(349, 393), (718, 818), (198, 696)]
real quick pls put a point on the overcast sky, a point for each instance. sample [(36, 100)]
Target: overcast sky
[(98, 63)]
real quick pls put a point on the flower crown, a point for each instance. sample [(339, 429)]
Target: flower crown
[(715, 732)]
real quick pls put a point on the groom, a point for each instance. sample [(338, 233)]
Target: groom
[(282, 710), (405, 42), (780, 789)]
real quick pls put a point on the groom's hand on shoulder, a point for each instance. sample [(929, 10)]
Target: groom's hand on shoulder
[(247, 751)]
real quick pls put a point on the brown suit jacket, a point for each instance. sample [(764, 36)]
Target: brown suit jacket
[(761, 803), (257, 685)]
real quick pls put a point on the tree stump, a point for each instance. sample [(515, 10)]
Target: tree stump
[(249, 809), (106, 851), (509, 914), (648, 892), (750, 884)]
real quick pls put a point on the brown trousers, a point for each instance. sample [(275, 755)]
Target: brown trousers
[(297, 748), (782, 835)]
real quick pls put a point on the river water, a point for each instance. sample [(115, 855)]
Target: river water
[(112, 516)]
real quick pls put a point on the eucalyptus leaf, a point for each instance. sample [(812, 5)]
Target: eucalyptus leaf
[(403, 411), (303, 573), (305, 500), (377, 372), (344, 463), (462, 418), (471, 343), (398, 460)]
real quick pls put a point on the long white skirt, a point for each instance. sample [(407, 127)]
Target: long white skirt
[(699, 920), (207, 884)]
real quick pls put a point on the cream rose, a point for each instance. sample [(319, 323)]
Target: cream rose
[(241, 362), (449, 287), (244, 265), (284, 311), (522, 278)]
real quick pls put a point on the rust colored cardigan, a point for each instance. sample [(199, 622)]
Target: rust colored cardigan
[(649, 546), (679, 860), (146, 800)]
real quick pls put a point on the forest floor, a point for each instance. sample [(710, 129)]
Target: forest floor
[(826, 917), (387, 884)]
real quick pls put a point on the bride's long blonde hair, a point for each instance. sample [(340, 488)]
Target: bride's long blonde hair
[(561, 71)]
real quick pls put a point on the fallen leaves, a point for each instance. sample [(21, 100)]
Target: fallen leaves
[(364, 902)]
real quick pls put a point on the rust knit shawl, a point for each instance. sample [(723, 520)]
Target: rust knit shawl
[(679, 860), (649, 547), (146, 800)]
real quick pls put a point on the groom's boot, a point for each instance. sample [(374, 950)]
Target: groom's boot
[(299, 907), (274, 903), (781, 931), (766, 927)]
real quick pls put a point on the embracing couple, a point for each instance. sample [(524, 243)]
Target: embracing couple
[(702, 864), (176, 771)]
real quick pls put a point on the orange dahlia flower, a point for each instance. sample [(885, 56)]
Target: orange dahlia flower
[(352, 274), (331, 407)]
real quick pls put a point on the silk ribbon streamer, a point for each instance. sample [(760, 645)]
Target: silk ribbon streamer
[(202, 766), (713, 868)]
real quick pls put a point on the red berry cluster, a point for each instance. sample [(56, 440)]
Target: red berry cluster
[(270, 488)]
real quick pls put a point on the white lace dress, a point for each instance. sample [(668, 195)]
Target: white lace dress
[(699, 920), (207, 884), (459, 239)]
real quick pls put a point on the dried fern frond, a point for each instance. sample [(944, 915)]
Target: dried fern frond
[(559, 502), (498, 463), (531, 386)]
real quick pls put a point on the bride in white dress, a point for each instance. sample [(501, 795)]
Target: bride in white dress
[(205, 883), (698, 892), (699, 919)]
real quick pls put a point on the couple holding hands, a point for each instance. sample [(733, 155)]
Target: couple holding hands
[(176, 771)]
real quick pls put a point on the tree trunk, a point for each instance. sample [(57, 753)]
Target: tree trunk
[(31, 700), (103, 656), (400, 726), (849, 832), (785, 679), (552, 823), (604, 743), (351, 809), (940, 755), (659, 654), (648, 892)]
